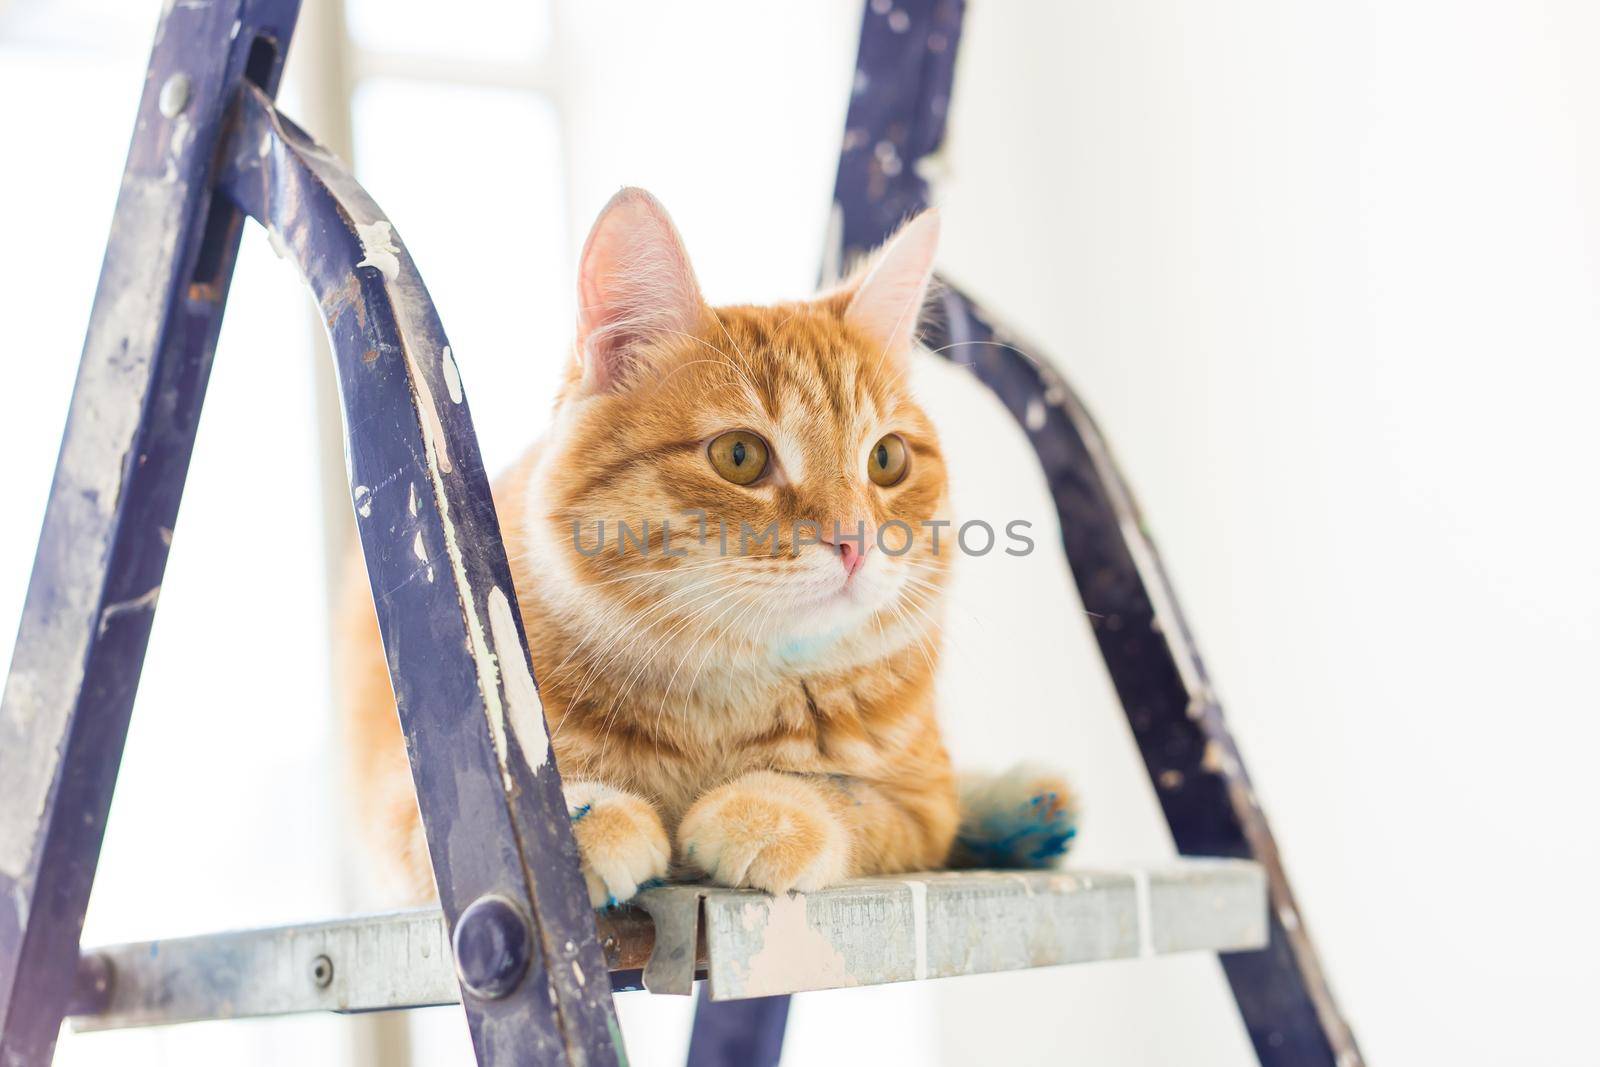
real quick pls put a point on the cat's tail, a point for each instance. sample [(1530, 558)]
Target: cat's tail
[(1024, 818)]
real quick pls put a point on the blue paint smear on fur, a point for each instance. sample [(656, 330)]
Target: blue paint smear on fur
[(802, 649), (580, 811), (1034, 834)]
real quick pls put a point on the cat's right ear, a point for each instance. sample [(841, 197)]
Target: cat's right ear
[(635, 285)]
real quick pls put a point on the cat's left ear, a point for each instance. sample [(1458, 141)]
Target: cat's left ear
[(887, 302)]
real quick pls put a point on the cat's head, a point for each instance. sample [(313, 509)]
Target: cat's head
[(781, 446)]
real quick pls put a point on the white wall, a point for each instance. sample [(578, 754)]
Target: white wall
[(1327, 275)]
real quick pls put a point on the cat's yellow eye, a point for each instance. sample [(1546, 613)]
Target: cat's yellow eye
[(739, 456), (888, 461)]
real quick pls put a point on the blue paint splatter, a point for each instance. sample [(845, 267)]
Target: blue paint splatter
[(1034, 834), (580, 811), (805, 648)]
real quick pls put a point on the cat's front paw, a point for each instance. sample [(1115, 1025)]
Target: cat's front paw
[(621, 841), (766, 831)]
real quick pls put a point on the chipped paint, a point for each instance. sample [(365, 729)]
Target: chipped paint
[(145, 601), (940, 924), (793, 953), (522, 697), (378, 247), (182, 137), (363, 501), (1216, 759), (411, 500), (482, 656), (1034, 417), (279, 248), (428, 411), (452, 375)]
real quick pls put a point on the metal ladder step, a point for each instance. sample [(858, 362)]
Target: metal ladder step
[(748, 944)]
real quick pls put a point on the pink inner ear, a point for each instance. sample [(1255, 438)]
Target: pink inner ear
[(635, 285), (888, 301)]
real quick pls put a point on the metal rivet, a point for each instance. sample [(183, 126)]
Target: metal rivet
[(322, 972), (174, 95), (493, 947), (93, 992)]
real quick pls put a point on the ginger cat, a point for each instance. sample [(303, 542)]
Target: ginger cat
[(740, 685)]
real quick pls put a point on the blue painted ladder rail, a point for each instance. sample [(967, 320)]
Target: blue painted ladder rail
[(210, 149)]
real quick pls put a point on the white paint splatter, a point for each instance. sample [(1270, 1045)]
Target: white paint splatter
[(432, 428), (377, 241), (452, 376), (411, 502), (363, 499), (1215, 758), (1033, 418), (182, 136), (522, 696), (477, 641), (145, 601), (419, 549), (275, 239)]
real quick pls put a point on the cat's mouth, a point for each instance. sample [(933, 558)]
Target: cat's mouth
[(865, 589)]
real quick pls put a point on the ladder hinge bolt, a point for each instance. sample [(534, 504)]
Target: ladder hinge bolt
[(493, 947)]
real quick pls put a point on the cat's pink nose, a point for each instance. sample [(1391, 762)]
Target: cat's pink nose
[(852, 552)]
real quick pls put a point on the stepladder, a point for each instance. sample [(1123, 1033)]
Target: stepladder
[(529, 965)]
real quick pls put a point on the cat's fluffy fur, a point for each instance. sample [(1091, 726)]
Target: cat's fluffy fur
[(762, 718)]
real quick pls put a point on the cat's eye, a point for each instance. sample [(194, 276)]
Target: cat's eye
[(739, 456), (887, 463)]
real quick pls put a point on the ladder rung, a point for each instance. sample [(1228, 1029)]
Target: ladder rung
[(864, 932)]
